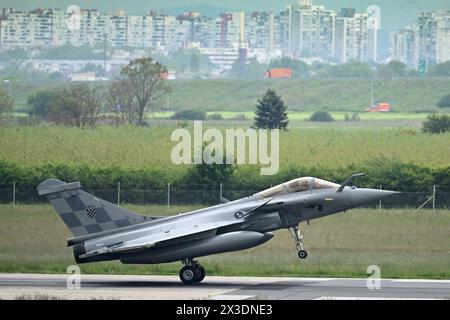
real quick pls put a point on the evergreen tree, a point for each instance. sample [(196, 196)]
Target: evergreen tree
[(271, 112)]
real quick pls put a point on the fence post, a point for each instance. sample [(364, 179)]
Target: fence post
[(220, 193), (434, 198), (118, 193), (14, 193), (168, 194), (381, 188)]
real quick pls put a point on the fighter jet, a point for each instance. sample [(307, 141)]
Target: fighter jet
[(103, 231)]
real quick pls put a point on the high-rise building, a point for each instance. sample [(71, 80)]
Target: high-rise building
[(118, 29), (303, 31), (310, 31), (139, 31), (94, 28), (176, 33), (425, 42), (351, 37), (260, 30), (26, 29), (426, 37), (443, 38), (403, 46), (373, 28)]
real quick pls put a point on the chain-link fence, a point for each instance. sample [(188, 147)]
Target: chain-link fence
[(12, 193)]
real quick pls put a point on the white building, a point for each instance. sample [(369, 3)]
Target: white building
[(309, 31), (260, 31), (26, 29), (139, 31), (443, 38), (303, 31), (223, 58), (351, 38), (403, 46), (427, 41)]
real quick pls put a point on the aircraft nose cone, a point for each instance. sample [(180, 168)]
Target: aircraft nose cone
[(362, 197)]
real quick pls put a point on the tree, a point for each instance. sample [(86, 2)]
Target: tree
[(321, 116), (440, 70), (444, 102), (393, 69), (436, 123), (350, 70), (145, 82), (77, 105), (92, 67), (6, 103), (189, 114), (13, 54), (120, 103), (271, 112), (251, 69), (40, 103), (70, 52), (210, 175), (194, 62)]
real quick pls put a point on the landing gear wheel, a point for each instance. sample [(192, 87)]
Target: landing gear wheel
[(201, 273), (302, 254), (188, 274), (298, 238)]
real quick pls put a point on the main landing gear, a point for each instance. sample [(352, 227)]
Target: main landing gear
[(192, 272), (298, 238)]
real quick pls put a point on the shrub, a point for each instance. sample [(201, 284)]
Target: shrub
[(240, 117), (215, 116), (321, 116), (436, 123), (41, 102), (444, 102), (354, 117), (189, 114)]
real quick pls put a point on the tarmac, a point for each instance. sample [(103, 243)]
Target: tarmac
[(147, 287)]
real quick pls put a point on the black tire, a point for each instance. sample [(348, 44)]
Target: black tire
[(188, 274), (302, 254), (201, 273)]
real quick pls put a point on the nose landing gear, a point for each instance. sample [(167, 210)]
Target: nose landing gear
[(298, 238), (192, 272)]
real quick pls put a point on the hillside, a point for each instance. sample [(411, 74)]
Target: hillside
[(405, 95)]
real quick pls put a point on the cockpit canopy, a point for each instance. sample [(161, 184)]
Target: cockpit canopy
[(298, 185)]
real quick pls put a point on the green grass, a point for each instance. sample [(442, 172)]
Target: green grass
[(405, 95), (131, 147), (305, 115), (403, 244)]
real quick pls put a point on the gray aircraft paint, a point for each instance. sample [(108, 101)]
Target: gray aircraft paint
[(103, 231)]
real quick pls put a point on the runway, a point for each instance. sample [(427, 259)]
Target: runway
[(118, 287)]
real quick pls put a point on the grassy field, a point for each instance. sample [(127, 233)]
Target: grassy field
[(131, 147), (405, 95), (305, 115), (403, 244)]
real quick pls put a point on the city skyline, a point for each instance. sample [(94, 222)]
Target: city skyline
[(301, 31), (304, 30), (392, 20)]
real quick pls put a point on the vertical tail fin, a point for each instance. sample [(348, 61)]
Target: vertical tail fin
[(84, 213)]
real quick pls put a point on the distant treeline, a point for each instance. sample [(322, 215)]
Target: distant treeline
[(353, 69)]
